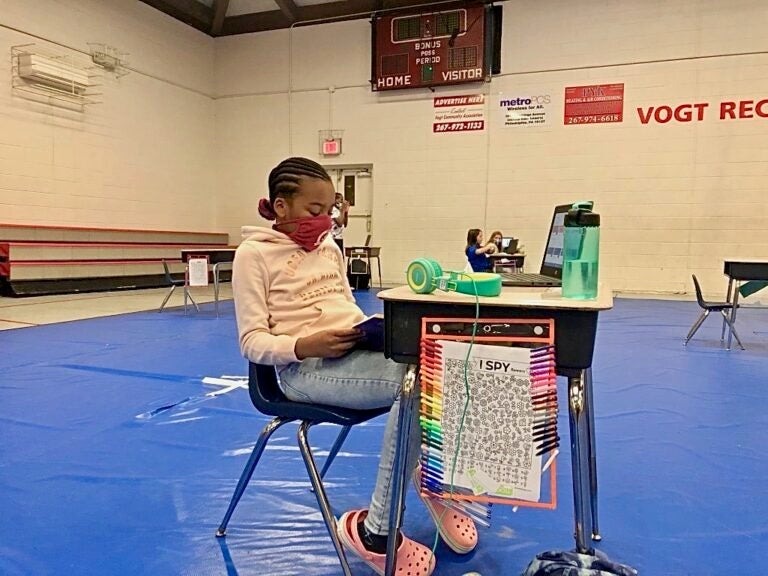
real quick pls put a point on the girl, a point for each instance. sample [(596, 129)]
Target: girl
[(476, 252), (295, 310), (495, 239)]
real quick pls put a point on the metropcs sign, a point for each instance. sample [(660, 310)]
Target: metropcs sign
[(725, 110)]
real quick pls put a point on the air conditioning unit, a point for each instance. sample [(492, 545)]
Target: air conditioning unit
[(53, 73)]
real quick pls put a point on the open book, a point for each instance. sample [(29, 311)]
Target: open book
[(373, 328)]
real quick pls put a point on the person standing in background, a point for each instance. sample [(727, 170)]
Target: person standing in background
[(340, 217)]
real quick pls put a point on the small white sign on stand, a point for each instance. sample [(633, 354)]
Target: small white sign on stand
[(197, 271)]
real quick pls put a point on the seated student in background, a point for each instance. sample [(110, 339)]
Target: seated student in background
[(295, 311), (495, 239), (477, 252)]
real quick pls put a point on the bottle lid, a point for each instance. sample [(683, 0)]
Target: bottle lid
[(578, 216), (584, 205)]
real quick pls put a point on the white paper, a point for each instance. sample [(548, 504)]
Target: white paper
[(497, 454), (198, 271)]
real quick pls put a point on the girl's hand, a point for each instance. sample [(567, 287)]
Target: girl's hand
[(327, 343)]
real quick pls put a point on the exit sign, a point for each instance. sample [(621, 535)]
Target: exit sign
[(331, 147)]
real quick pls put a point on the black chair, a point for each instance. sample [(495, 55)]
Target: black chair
[(270, 400), (724, 308), (173, 284)]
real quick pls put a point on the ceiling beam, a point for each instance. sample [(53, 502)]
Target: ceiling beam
[(259, 22), (289, 8), (354, 8), (191, 12), (219, 13), (337, 11), (290, 13)]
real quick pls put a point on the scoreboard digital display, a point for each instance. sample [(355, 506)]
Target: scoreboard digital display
[(430, 48)]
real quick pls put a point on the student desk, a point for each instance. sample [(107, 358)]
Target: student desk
[(575, 329), (507, 262), (216, 257), (740, 271)]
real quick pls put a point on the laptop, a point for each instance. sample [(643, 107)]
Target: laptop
[(509, 245), (552, 262)]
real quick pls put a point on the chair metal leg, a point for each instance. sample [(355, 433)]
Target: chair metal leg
[(732, 315), (322, 499), (732, 329), (335, 449), (167, 297), (245, 477), (216, 288), (696, 326), (727, 299), (189, 295)]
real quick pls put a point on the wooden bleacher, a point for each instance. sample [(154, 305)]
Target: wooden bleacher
[(38, 260)]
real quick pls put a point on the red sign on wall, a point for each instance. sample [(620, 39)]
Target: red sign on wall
[(594, 104), (429, 48)]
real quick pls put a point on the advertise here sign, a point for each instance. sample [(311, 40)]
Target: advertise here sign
[(459, 113)]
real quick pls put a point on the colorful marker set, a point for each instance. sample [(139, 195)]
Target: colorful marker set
[(436, 473), (544, 400), (433, 460)]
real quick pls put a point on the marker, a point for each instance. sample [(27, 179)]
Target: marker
[(550, 460), (549, 446)]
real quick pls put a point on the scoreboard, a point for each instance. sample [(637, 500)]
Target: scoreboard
[(430, 47)]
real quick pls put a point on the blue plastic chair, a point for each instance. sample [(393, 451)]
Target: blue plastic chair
[(270, 400)]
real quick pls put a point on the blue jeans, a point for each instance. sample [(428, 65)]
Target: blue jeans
[(361, 380)]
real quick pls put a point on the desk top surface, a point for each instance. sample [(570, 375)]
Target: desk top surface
[(742, 269), (746, 260), (523, 297), (505, 255)]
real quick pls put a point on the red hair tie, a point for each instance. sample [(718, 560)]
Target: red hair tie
[(266, 210)]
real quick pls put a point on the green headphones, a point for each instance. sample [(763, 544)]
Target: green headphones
[(425, 275)]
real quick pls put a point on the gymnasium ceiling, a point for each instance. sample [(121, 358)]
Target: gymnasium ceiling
[(229, 17)]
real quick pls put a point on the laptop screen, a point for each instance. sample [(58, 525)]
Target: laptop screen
[(509, 245), (552, 263)]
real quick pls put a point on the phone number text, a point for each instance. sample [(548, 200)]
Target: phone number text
[(458, 126)]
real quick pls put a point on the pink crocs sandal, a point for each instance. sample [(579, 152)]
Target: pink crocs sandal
[(413, 559), (456, 529)]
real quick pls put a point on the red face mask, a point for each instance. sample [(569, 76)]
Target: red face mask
[(310, 231)]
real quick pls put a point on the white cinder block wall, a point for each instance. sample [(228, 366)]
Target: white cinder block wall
[(141, 159), (675, 198), (187, 139)]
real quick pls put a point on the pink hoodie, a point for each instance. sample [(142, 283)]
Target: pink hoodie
[(283, 292)]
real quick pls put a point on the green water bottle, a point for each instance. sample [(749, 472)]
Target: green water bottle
[(581, 252)]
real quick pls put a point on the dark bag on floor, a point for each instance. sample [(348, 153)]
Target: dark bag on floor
[(358, 273), (563, 563)]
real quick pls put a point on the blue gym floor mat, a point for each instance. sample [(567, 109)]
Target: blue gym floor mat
[(114, 461)]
